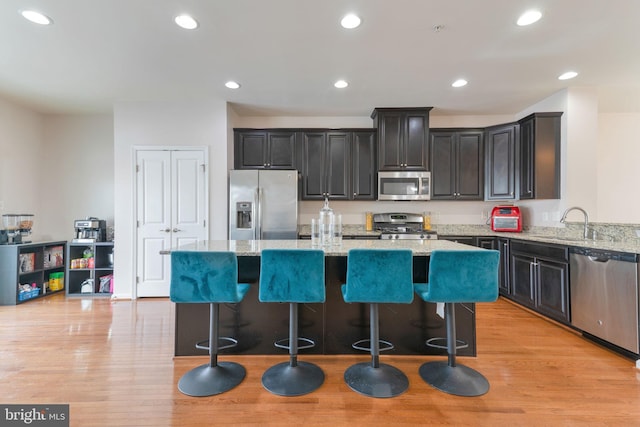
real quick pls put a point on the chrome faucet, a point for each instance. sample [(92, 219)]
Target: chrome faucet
[(586, 218)]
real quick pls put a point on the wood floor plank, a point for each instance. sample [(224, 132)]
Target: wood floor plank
[(112, 361)]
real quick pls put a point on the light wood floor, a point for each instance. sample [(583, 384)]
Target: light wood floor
[(113, 363)]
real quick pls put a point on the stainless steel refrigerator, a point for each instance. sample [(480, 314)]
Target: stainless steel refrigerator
[(263, 204)]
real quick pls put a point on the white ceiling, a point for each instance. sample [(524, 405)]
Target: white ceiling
[(287, 54)]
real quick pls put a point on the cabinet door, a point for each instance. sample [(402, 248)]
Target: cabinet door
[(471, 241), (504, 279), (540, 156), (486, 242), (363, 161), (262, 149), (522, 274), (281, 150), (553, 289), (415, 150), (250, 149), (526, 159), (501, 163), (390, 133), (313, 165), (469, 166), (442, 155), (403, 138), (338, 165)]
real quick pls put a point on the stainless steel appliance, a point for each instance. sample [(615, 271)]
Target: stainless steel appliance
[(404, 185), (401, 226), (90, 230), (263, 204), (604, 295)]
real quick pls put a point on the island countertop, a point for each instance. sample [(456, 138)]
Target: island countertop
[(254, 247)]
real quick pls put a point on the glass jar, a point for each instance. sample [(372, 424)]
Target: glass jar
[(426, 221), (326, 223), (368, 224)]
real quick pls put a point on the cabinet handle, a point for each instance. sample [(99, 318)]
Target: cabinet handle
[(175, 230), (531, 266), (355, 194), (166, 230)]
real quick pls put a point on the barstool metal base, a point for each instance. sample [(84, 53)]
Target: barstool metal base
[(458, 380), (383, 381), (207, 380), (286, 380)]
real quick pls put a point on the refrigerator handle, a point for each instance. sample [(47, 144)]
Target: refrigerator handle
[(258, 205)]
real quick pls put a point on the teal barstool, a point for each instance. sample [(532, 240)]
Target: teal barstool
[(376, 276), (292, 276), (458, 276), (208, 277)]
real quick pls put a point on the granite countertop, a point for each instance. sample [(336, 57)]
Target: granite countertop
[(558, 236), (253, 247), (609, 239)]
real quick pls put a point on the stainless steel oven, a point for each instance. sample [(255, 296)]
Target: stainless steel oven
[(404, 185)]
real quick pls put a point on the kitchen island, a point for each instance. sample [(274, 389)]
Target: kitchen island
[(333, 325)]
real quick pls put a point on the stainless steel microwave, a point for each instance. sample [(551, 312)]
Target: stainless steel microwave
[(404, 185)]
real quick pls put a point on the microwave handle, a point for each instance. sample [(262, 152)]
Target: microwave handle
[(421, 183)]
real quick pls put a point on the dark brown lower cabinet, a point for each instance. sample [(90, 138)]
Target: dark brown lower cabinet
[(540, 278)]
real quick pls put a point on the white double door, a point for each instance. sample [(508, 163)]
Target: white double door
[(171, 205)]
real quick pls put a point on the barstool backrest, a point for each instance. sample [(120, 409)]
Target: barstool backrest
[(463, 276), (379, 276), (204, 277), (292, 275)]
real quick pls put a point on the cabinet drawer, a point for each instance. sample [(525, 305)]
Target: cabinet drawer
[(545, 250)]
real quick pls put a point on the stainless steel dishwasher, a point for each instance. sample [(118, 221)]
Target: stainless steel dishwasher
[(604, 295)]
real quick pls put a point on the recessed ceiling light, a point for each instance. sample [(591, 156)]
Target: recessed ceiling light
[(459, 83), (341, 84), (186, 22), (568, 75), (232, 85), (529, 17), (350, 21), (36, 17)]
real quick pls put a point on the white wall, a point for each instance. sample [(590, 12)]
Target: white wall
[(77, 172), (619, 168), (169, 124), (21, 163)]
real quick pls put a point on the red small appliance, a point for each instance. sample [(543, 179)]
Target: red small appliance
[(506, 218)]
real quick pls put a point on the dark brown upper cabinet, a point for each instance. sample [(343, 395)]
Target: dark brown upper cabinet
[(457, 164), (501, 166), (265, 149), (363, 161), (540, 156), (338, 164), (403, 138), (325, 165)]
